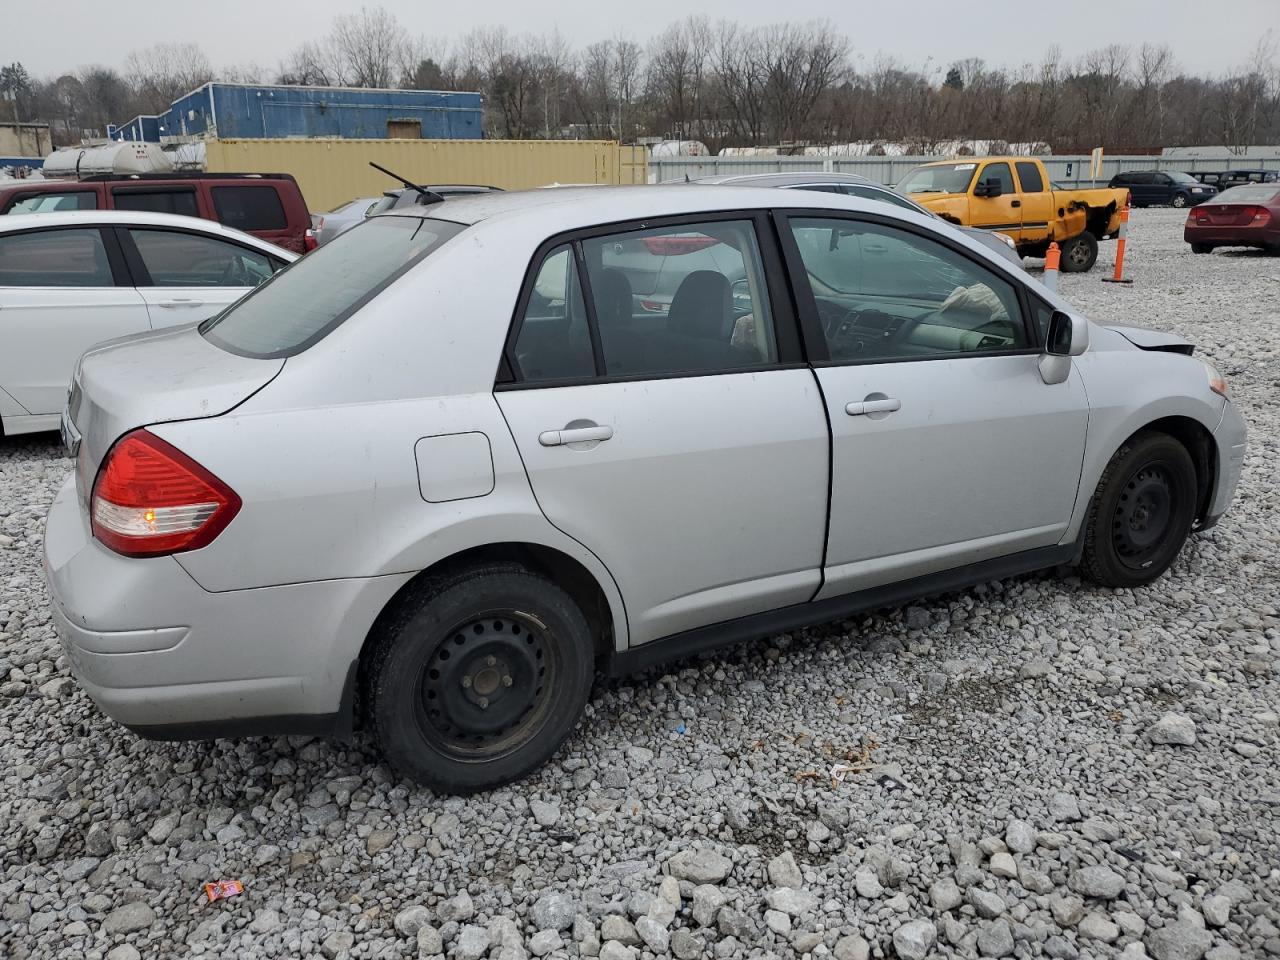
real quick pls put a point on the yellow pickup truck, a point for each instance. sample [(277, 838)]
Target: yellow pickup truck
[(1013, 196)]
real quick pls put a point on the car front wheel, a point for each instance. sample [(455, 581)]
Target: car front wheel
[(1141, 513), (1202, 248), (476, 679), (1179, 200)]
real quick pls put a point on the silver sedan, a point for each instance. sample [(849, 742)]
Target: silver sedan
[(431, 478)]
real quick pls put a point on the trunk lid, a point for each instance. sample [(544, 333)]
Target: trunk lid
[(1224, 214), (156, 377)]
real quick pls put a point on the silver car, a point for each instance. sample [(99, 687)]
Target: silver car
[(432, 477)]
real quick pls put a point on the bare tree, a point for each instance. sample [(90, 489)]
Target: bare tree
[(162, 73), (369, 46)]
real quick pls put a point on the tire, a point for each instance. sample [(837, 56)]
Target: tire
[(1179, 200), (1080, 253), (477, 679), (1141, 513), (1202, 248)]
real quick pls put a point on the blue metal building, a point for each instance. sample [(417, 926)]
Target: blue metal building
[(248, 111)]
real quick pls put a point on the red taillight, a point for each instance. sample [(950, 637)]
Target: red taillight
[(151, 499), (1260, 214), (309, 241), (675, 246)]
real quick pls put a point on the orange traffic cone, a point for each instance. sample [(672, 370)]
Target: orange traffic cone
[(1118, 276), (1052, 258)]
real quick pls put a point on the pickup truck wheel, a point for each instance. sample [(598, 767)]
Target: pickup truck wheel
[(1080, 253), (478, 678), (1202, 248), (1141, 513)]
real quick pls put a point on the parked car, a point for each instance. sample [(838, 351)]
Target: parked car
[(70, 280), (393, 476), (267, 205), (1163, 187), (1238, 178), (1247, 216), (984, 193), (414, 196), (326, 226), (853, 185), (1210, 178)]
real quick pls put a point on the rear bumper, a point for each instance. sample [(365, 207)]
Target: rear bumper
[(170, 660), (1232, 236), (1230, 438)]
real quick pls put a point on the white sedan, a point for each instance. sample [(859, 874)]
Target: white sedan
[(70, 280)]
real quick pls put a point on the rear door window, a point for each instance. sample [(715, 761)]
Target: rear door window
[(1029, 177), (299, 306), (72, 257), (180, 201), (177, 259), (249, 208), (58, 201)]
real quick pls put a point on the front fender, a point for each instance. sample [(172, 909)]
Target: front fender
[(1128, 389)]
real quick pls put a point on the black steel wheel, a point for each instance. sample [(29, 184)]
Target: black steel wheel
[(1141, 513), (476, 679)]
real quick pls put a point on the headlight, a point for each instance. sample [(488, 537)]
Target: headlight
[(1197, 189), (1216, 382), (1007, 239)]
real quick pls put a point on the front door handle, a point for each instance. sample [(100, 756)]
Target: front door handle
[(1016, 203), (861, 407), (180, 302), (558, 438)]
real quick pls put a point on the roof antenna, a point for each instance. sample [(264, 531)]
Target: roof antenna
[(427, 196)]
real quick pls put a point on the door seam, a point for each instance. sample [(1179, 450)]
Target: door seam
[(831, 467)]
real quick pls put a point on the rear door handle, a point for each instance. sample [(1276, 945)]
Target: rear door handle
[(558, 438), (180, 302), (861, 407)]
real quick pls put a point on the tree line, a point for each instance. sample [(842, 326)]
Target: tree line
[(718, 82)]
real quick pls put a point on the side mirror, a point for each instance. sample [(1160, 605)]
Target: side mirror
[(990, 187), (1068, 337)]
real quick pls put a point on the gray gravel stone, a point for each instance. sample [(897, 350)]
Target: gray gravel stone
[(1173, 728), (945, 895), (1020, 836), (851, 947), (1181, 940), (553, 910), (699, 866), (411, 919), (914, 939), (995, 939), (128, 918), (472, 943), (1098, 881)]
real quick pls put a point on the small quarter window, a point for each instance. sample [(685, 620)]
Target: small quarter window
[(554, 342), (249, 208)]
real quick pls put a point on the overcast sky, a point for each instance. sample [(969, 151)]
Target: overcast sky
[(1205, 37)]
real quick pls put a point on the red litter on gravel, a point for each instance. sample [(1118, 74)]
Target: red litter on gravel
[(222, 889)]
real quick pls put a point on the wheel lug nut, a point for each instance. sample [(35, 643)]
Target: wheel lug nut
[(506, 681), (490, 660), (484, 703), (466, 683)]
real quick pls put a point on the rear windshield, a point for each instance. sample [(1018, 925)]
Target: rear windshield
[(303, 303), (1249, 193)]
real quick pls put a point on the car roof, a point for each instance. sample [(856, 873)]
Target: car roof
[(785, 179), (94, 218), (570, 208)]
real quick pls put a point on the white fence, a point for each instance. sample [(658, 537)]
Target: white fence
[(1067, 170)]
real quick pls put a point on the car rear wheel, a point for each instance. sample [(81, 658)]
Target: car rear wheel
[(1080, 253), (1179, 200), (1202, 248), (477, 679), (1141, 513)]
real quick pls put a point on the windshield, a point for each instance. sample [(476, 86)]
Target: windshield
[(1179, 177), (304, 302), (1249, 193), (938, 178)]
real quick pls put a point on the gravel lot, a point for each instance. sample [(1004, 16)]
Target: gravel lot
[(1041, 768)]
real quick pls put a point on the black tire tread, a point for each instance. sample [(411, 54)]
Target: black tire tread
[(1092, 566), (423, 592)]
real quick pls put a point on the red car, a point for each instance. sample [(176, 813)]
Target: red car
[(1247, 216), (268, 205)]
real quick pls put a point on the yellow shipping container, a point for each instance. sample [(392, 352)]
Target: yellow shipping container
[(331, 172)]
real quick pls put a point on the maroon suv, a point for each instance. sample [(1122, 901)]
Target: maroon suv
[(268, 205)]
